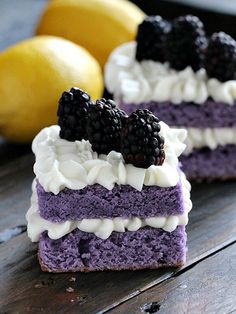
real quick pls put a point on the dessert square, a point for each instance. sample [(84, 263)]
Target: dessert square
[(189, 82), (94, 210)]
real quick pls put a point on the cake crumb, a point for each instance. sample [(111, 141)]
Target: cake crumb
[(183, 286), (81, 299), (72, 279), (70, 289)]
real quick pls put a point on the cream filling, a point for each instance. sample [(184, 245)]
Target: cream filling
[(103, 227), (134, 82), (209, 137), (60, 163)]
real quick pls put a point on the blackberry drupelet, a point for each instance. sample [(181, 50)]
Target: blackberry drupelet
[(73, 113), (141, 143), (151, 39), (221, 57), (104, 126), (186, 43)]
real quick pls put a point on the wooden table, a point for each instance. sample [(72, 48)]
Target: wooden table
[(206, 284)]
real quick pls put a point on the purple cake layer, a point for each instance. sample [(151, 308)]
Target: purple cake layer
[(207, 164), (210, 114), (81, 251), (95, 201)]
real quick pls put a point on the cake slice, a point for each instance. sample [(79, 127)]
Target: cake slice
[(109, 195), (189, 82)]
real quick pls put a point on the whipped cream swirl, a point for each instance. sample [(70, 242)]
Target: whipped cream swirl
[(135, 82), (103, 227), (209, 137), (60, 163)]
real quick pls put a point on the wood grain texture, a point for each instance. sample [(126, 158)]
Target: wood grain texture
[(205, 285), (214, 212), (17, 22), (27, 289), (212, 227), (15, 190), (209, 287)]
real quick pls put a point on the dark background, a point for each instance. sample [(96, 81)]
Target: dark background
[(216, 15)]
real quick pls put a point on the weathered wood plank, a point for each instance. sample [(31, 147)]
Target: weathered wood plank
[(17, 22), (208, 287), (26, 288), (213, 225), (213, 212), (15, 182)]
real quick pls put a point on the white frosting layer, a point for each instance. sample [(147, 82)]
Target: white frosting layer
[(135, 82), (103, 228), (209, 137), (60, 163)]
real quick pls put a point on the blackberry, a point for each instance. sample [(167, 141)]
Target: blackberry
[(73, 113), (104, 126), (186, 43), (141, 143), (221, 57), (151, 39)]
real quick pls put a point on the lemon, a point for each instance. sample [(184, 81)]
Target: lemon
[(33, 75), (98, 25)]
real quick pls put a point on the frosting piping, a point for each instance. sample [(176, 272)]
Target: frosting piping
[(209, 137), (134, 82), (103, 227), (60, 163)]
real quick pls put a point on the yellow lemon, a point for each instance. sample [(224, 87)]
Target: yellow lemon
[(33, 75), (97, 25)]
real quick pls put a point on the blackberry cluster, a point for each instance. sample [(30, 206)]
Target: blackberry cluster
[(186, 43), (151, 39), (220, 60), (108, 128), (104, 126), (73, 114), (141, 143)]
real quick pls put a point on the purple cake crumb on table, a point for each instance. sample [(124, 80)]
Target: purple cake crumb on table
[(209, 114), (96, 201), (145, 248), (207, 164)]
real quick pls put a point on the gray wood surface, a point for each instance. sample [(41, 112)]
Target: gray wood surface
[(208, 287), (15, 189), (211, 229), (206, 284)]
